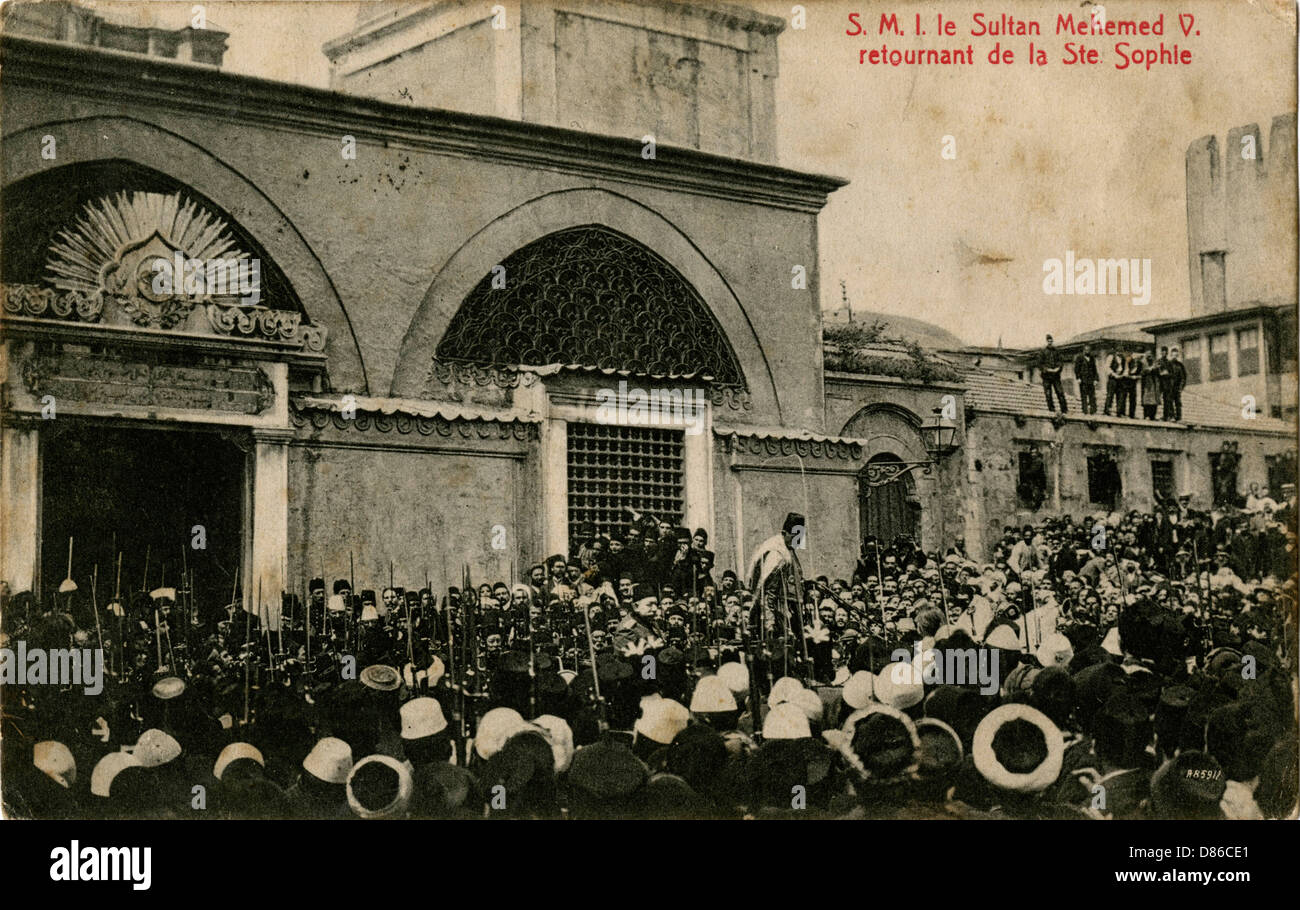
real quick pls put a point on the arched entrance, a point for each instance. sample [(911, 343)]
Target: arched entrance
[(888, 506)]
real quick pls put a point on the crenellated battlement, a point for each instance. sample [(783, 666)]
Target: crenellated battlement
[(1241, 217)]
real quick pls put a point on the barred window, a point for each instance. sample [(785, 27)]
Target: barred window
[(1162, 481), (616, 468)]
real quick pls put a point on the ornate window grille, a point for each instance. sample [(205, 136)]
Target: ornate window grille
[(613, 468), (591, 297)]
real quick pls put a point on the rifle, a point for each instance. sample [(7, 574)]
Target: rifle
[(602, 718), (755, 712), (348, 619), (1207, 634)]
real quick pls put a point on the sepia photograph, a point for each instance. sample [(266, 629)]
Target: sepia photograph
[(642, 410)]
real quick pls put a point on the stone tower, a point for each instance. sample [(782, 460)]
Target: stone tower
[(687, 74)]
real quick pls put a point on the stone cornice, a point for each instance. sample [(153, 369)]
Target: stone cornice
[(141, 83)]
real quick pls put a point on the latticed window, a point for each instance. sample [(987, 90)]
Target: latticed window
[(1162, 481), (615, 468), (591, 297)]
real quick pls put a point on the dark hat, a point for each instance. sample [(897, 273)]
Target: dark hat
[(1171, 712), (525, 767), (604, 779), (1238, 736), (697, 754), (668, 796), (254, 797), (1093, 687), (341, 585), (703, 534), (367, 596), (781, 764), (1121, 731), (792, 520), (959, 707), (442, 790), (1052, 692), (1188, 786), (1276, 793), (941, 748), (316, 584)]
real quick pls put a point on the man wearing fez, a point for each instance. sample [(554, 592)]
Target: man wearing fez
[(776, 578)]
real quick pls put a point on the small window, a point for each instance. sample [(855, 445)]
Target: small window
[(1104, 486), (1213, 284), (1247, 352), (1281, 475), (1162, 481), (1219, 366), (1032, 487), (1192, 358), (1223, 478)]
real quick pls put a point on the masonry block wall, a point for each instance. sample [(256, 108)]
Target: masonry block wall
[(1241, 218)]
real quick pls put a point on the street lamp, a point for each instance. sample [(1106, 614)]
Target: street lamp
[(938, 433)]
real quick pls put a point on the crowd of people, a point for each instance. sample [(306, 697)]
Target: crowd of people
[(1114, 666), (1136, 382)]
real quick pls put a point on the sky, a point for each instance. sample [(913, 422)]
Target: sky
[(1048, 159)]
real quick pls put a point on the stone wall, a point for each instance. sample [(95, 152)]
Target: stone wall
[(382, 488), (1245, 208), (992, 467), (382, 248), (692, 75)]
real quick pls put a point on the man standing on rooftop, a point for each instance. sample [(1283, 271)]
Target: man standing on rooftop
[(1049, 364)]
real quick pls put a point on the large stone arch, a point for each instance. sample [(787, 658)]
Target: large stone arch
[(558, 211), (95, 139), (887, 428)]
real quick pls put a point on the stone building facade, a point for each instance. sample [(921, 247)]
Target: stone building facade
[(447, 302), (361, 438)]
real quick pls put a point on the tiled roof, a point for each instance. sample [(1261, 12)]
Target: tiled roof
[(999, 394)]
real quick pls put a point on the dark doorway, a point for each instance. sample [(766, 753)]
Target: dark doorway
[(890, 510), (141, 493)]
